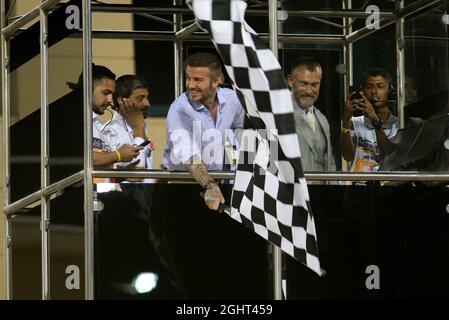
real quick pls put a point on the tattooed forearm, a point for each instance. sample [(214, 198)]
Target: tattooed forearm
[(198, 171)]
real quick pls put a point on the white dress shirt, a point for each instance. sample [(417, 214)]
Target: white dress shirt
[(118, 132)]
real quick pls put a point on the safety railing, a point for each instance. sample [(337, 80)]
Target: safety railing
[(8, 31)]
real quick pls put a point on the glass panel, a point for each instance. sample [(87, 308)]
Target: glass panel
[(311, 25), (426, 80), (16, 9), (426, 67), (67, 245), (66, 252), (26, 255), (362, 4), (154, 22), (156, 57), (366, 232), (25, 81), (409, 2), (147, 247), (66, 132), (325, 24), (367, 54), (25, 117), (357, 228), (328, 101)]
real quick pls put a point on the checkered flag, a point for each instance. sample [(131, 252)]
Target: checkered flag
[(270, 193)]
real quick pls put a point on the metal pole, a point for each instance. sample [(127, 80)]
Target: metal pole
[(417, 6), (365, 31), (275, 251), (6, 156), (173, 177), (12, 208), (348, 59), (348, 52), (312, 176), (124, 8), (400, 65), (177, 54), (45, 201), (28, 17), (202, 36), (186, 31), (88, 164)]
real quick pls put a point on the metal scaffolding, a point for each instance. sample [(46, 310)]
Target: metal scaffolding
[(182, 30)]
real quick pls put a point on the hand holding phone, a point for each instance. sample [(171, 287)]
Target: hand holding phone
[(355, 95)]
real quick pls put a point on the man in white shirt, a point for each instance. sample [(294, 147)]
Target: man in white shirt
[(103, 81), (127, 126)]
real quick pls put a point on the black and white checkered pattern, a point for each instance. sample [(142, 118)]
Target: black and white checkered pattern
[(270, 193)]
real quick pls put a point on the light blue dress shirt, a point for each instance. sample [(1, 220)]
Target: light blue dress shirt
[(191, 130)]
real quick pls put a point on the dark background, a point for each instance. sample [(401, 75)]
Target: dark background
[(402, 230)]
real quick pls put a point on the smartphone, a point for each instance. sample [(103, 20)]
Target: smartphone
[(355, 93), (145, 143)]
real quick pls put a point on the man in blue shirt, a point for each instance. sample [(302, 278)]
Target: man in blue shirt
[(199, 122)]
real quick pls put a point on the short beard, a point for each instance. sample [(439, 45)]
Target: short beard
[(98, 111), (304, 105)]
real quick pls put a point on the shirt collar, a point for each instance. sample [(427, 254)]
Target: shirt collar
[(221, 100), (120, 119), (198, 105), (301, 110)]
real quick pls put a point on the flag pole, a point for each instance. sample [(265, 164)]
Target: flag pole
[(275, 251)]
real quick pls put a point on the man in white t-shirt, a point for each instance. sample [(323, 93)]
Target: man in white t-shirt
[(104, 156), (365, 138)]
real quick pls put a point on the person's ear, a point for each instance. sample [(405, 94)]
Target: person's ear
[(216, 82), (391, 92), (290, 81), (119, 103)]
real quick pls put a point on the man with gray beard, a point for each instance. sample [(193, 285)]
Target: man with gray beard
[(312, 126)]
